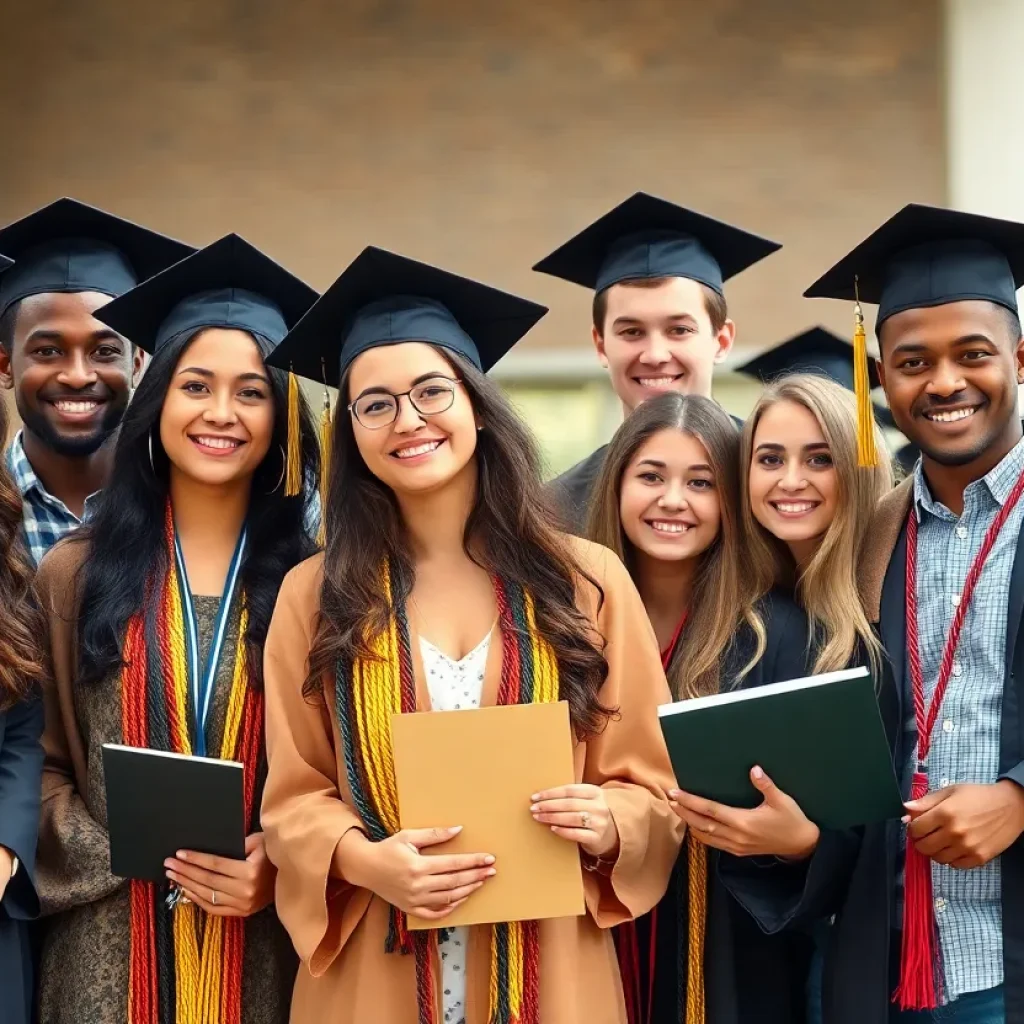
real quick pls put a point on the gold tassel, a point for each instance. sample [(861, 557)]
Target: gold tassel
[(867, 456), (326, 437), (697, 885), (293, 463)]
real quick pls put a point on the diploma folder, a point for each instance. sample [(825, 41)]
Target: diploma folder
[(478, 768), (159, 803), (820, 739)]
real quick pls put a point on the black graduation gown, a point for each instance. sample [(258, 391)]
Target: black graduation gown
[(852, 875), (749, 977), (21, 767)]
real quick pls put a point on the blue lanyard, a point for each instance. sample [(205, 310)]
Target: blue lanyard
[(200, 681)]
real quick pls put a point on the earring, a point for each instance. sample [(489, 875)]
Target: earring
[(149, 441), (284, 467)]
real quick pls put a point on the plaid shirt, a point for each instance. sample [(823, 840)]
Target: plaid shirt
[(965, 745), (46, 518)]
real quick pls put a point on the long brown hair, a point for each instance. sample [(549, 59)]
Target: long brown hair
[(22, 659), (511, 532), (827, 587), (721, 602)]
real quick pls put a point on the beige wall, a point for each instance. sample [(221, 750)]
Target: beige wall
[(480, 135)]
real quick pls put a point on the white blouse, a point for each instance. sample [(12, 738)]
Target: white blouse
[(454, 686)]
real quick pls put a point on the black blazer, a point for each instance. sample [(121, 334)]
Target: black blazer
[(21, 768), (749, 977)]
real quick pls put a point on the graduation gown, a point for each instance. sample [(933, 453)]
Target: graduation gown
[(85, 956), (21, 765), (339, 930), (852, 874), (749, 977)]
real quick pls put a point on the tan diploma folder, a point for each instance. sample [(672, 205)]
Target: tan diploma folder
[(478, 769)]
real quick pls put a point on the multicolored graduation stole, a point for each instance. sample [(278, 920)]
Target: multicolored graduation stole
[(185, 967), (367, 696)]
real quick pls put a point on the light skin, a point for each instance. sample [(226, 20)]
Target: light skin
[(959, 363), (671, 514), (216, 428), (72, 378), (660, 339), (792, 481), (428, 462)]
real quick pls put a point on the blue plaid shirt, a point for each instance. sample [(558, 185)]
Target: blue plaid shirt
[(965, 745), (46, 519)]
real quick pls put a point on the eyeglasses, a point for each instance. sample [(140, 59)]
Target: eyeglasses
[(380, 409)]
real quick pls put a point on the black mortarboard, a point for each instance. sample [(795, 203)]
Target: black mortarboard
[(814, 351), (384, 299), (71, 247), (646, 237), (230, 283), (5, 263), (925, 256)]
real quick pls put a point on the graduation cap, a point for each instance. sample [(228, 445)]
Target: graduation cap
[(71, 247), (646, 237), (924, 256), (813, 351), (385, 299), (5, 263), (230, 283)]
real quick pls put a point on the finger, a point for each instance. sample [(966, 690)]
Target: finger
[(698, 804), (574, 835), (933, 846), (710, 832), (455, 895), (577, 791), (574, 819), (565, 804), (447, 883), (220, 910), (716, 842), (420, 837), (449, 864), (764, 785), (435, 913), (929, 800), (209, 862), (197, 877), (224, 898), (925, 825), (254, 844)]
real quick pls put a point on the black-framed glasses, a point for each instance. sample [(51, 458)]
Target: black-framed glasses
[(377, 409)]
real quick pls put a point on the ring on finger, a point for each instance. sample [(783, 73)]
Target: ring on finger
[(710, 828), (213, 896), (585, 818)]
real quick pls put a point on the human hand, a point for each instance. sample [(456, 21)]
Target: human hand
[(579, 813), (967, 825), (223, 886), (776, 827), (428, 887)]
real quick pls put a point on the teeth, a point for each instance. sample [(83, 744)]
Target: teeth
[(654, 382), (669, 526), (218, 442), (81, 405), (419, 449), (952, 416), (794, 506)]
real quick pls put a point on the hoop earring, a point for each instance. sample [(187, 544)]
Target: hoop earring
[(149, 441), (284, 467)]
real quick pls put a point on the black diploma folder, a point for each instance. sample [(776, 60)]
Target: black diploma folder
[(159, 803), (820, 739)]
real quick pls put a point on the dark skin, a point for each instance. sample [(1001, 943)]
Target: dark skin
[(72, 378), (950, 374)]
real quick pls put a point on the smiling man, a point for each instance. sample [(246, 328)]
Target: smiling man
[(660, 320), (71, 375)]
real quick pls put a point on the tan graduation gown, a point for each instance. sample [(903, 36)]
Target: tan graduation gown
[(339, 930)]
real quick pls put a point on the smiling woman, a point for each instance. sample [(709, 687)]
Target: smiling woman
[(191, 539)]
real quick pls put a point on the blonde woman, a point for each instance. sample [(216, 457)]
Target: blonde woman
[(807, 508)]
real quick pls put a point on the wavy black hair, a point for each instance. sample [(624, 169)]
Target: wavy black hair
[(126, 533)]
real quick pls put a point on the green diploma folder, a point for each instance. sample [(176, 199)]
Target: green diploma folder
[(820, 739)]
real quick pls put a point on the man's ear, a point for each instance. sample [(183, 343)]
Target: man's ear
[(138, 364), (6, 369), (599, 345), (724, 340)]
